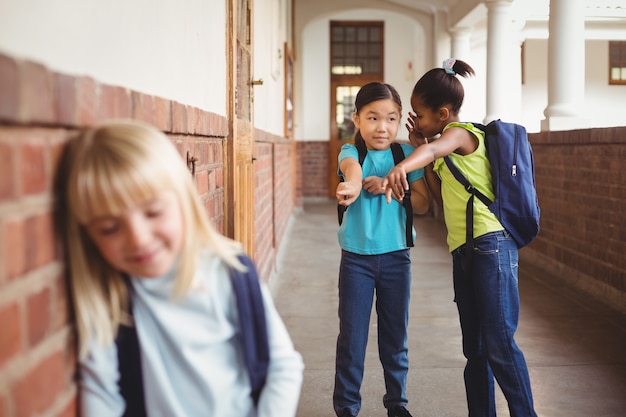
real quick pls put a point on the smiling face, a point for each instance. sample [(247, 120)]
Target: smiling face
[(144, 240), (378, 123)]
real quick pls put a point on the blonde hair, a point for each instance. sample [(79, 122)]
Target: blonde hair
[(107, 169)]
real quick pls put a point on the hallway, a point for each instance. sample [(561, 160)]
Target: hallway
[(575, 348)]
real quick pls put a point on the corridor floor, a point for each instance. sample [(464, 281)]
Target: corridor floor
[(575, 347)]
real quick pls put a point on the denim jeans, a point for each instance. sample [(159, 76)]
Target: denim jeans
[(488, 304), (360, 276)]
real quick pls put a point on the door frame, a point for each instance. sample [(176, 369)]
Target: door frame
[(239, 147), (335, 144)]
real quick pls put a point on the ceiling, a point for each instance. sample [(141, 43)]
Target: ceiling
[(528, 9)]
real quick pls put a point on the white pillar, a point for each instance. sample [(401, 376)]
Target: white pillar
[(503, 62), (460, 43), (566, 66)]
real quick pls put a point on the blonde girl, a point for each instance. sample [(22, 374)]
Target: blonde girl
[(135, 233)]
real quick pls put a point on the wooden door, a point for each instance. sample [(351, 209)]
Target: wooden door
[(239, 170), (342, 97), (357, 55)]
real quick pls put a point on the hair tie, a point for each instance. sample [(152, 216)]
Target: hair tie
[(448, 65)]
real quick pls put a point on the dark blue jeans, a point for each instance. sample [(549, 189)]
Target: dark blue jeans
[(488, 304), (389, 276)]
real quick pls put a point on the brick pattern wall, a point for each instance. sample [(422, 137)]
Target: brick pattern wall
[(274, 199), (313, 168), (39, 111), (581, 186)]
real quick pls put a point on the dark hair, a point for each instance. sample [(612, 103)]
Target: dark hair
[(439, 87), (373, 92)]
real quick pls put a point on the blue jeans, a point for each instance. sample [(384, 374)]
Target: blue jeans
[(389, 275), (488, 304)]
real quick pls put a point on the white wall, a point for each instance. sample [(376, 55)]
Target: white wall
[(604, 105), (175, 49), (270, 17), (405, 41)]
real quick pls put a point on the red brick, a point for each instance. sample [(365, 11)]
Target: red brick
[(36, 391), (61, 308), (33, 168), (70, 409), (45, 238), (7, 168), (202, 181), (14, 248), (4, 412), (9, 86), (86, 101), (38, 316), (11, 334), (143, 107), (163, 114), (107, 102), (65, 100), (37, 103), (179, 118)]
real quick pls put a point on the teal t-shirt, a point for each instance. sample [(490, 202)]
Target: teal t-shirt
[(371, 226)]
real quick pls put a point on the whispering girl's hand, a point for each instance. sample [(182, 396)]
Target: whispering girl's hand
[(416, 138), (395, 183)]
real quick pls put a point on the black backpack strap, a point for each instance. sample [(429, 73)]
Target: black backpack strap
[(255, 342), (398, 156), (362, 150), (253, 326), (469, 211), (129, 363)]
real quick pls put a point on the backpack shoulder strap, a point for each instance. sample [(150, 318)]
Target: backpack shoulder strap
[(129, 363), (253, 326), (463, 180), (398, 156), (362, 150)]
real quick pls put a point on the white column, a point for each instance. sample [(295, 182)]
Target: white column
[(503, 62), (566, 66), (460, 43)]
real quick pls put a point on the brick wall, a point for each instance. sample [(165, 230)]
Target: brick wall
[(313, 168), (39, 111), (273, 195), (581, 186)]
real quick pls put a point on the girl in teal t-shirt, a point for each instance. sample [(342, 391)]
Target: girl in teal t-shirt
[(375, 256)]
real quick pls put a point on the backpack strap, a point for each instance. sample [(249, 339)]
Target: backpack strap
[(398, 156), (251, 312), (469, 210), (129, 363), (253, 326), (362, 150)]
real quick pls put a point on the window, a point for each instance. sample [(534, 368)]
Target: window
[(356, 48), (617, 62)]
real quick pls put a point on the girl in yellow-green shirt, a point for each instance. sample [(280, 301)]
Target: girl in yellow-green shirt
[(486, 291)]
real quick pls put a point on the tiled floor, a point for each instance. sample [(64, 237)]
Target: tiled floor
[(575, 347)]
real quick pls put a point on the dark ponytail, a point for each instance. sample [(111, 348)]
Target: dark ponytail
[(440, 86)]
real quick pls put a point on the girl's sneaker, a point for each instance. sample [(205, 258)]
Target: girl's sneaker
[(398, 411)]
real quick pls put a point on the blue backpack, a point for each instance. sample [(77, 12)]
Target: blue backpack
[(253, 330), (513, 174)]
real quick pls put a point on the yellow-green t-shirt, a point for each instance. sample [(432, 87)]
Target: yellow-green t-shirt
[(477, 170)]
